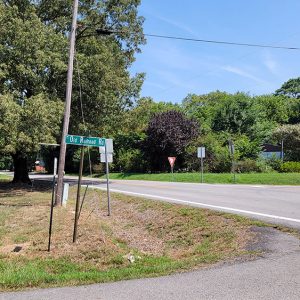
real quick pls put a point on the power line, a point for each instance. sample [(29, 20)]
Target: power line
[(221, 42), (107, 32)]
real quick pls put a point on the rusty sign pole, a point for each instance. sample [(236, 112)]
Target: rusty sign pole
[(78, 195)]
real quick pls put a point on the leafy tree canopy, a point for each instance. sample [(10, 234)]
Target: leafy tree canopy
[(168, 134), (138, 118), (290, 135), (291, 88), (33, 65)]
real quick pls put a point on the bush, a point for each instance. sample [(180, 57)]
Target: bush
[(274, 162), (247, 166), (290, 166), (131, 161)]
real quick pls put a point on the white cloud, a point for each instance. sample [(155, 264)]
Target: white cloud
[(270, 63), (178, 25), (243, 73)]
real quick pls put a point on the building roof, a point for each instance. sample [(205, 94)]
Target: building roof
[(271, 148)]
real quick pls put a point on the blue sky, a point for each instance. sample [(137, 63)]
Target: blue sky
[(176, 68)]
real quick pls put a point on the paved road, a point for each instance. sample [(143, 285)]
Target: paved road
[(276, 204), (275, 276)]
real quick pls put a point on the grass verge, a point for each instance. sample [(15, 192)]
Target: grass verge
[(244, 178), (142, 238), (4, 177)]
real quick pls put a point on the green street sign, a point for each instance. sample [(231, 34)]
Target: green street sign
[(85, 141)]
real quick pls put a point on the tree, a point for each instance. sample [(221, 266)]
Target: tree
[(203, 108), (234, 114), (168, 134), (290, 135), (137, 118), (291, 88), (33, 56), (30, 67), (23, 127)]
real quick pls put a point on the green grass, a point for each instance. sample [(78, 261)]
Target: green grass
[(225, 178), (4, 177), (23, 273)]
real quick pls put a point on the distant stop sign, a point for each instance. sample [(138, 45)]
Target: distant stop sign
[(172, 161)]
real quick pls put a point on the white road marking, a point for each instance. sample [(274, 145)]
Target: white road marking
[(248, 212)]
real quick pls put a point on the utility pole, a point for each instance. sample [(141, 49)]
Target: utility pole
[(62, 153), (282, 150)]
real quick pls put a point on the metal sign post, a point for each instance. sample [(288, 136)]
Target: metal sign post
[(106, 156), (201, 155), (231, 151), (51, 212), (107, 182), (78, 196), (52, 203)]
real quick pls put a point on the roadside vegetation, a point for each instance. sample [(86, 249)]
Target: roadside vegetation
[(142, 238), (145, 132), (222, 178)]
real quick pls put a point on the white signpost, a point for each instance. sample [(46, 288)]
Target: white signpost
[(201, 155), (231, 151), (106, 156)]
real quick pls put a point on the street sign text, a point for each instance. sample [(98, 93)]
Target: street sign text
[(85, 141)]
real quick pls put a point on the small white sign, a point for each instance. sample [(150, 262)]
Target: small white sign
[(65, 194), (109, 146), (55, 166), (109, 157), (201, 152)]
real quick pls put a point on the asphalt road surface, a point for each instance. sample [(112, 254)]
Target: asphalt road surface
[(269, 203), (274, 204)]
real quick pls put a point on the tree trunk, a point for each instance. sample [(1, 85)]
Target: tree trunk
[(21, 174)]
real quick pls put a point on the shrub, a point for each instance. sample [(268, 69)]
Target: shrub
[(290, 166), (247, 166), (275, 163), (132, 161)]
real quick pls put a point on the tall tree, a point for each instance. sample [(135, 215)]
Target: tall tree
[(33, 56), (137, 118), (22, 128), (290, 88), (168, 134)]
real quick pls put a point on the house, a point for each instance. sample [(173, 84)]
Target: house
[(272, 151)]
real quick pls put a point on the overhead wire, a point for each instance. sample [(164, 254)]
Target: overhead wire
[(230, 43), (222, 42)]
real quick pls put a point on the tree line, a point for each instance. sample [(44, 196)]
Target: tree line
[(106, 102)]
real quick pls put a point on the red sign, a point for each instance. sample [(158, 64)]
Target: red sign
[(172, 161)]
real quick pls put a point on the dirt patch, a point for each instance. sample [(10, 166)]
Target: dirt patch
[(14, 249)]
